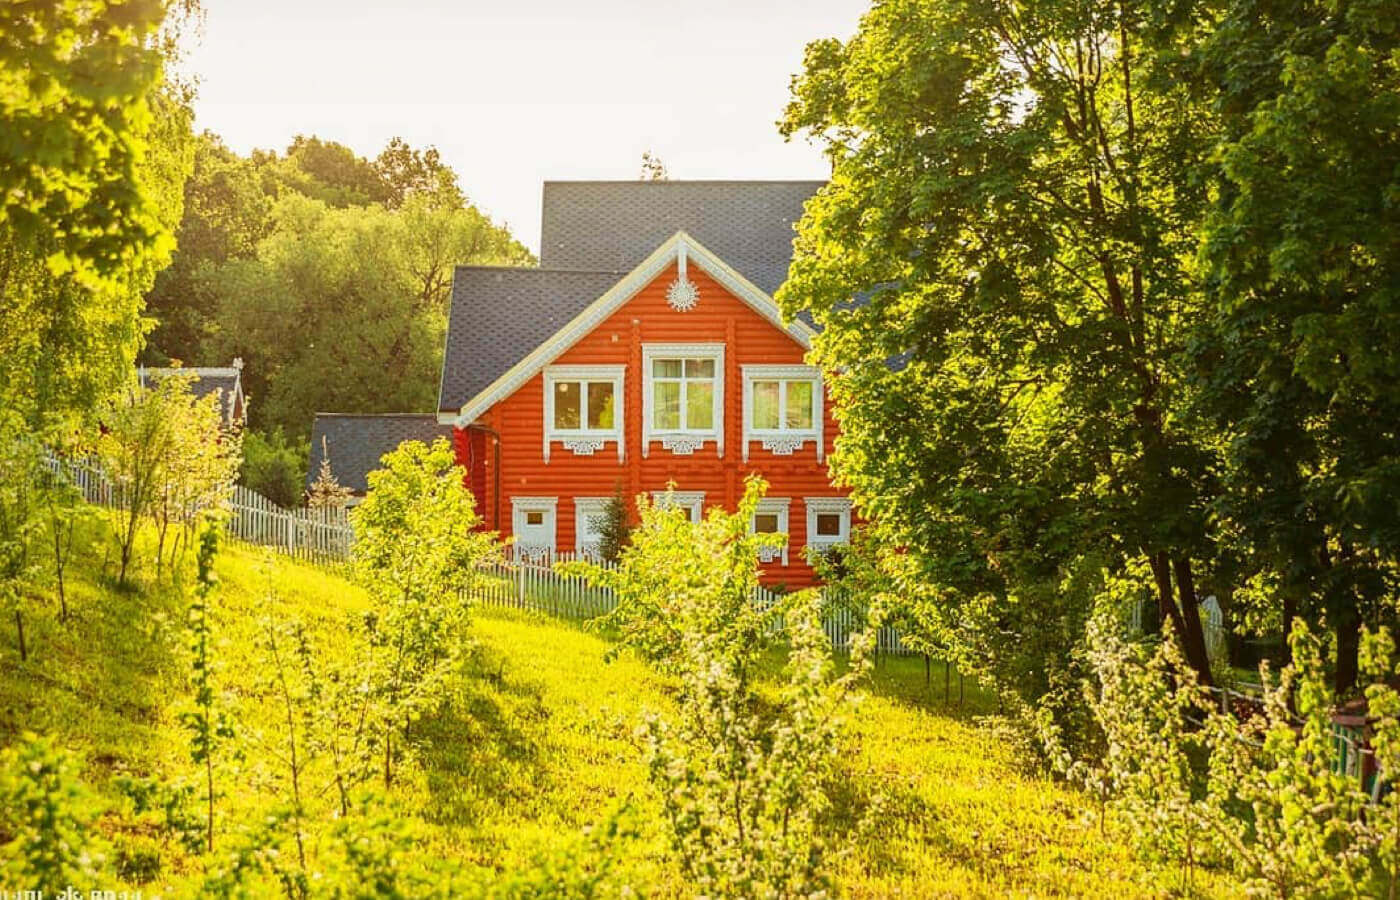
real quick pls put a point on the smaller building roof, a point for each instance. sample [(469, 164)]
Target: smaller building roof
[(356, 442), (227, 380)]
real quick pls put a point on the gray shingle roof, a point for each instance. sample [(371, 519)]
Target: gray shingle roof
[(356, 442), (205, 380), (500, 315), (614, 225), (593, 233)]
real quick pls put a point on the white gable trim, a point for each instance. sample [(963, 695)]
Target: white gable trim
[(612, 300)]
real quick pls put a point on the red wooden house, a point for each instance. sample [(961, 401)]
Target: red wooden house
[(645, 349)]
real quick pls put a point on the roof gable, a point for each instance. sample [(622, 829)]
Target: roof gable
[(680, 246)]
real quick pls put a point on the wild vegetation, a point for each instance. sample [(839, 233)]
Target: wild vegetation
[(1123, 334)]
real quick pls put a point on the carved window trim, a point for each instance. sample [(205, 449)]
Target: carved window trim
[(816, 506), (587, 543), (774, 506), (682, 441), (783, 441), (584, 441), (519, 508)]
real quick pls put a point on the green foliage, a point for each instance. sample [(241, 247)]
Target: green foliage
[(95, 153), (615, 529), (274, 466), (1297, 351), (417, 550), (75, 87), (1012, 200), (1256, 790), (168, 457), (745, 784), (678, 578), (367, 290), (46, 841), (208, 727)]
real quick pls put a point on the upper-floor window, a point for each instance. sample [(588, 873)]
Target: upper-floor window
[(683, 395), (782, 408), (583, 408)]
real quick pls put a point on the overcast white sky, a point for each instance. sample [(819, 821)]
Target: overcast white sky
[(513, 92)]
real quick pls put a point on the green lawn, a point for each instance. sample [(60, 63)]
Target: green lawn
[(539, 745)]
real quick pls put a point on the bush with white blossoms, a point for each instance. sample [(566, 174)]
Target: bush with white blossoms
[(1256, 790), (745, 779)]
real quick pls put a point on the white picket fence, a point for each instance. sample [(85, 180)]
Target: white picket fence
[(317, 535), (324, 536), (313, 535), (532, 582)]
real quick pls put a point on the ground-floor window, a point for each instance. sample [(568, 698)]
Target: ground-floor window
[(828, 522), (691, 501), (533, 522), (771, 517), (590, 516)]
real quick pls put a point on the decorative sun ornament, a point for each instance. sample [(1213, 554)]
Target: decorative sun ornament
[(682, 295)]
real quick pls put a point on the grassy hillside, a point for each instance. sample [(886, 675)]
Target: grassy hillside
[(537, 747)]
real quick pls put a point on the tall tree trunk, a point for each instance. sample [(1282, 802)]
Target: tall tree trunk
[(1290, 612), (1188, 631), (1348, 650), (1194, 639)]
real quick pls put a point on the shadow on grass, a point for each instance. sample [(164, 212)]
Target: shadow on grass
[(481, 752), (884, 818)]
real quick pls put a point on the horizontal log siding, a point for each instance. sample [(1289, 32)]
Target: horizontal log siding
[(647, 318)]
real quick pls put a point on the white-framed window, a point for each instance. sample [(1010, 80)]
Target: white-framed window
[(683, 396), (693, 502), (772, 516), (589, 516), (583, 408), (532, 521), (828, 521), (782, 408)]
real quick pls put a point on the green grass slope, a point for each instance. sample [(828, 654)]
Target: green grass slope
[(539, 744)]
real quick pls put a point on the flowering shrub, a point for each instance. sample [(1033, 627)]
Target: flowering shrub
[(745, 780), (1256, 789)]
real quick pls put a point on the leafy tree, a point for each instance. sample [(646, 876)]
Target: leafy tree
[(75, 110), (367, 290), (274, 466), (226, 212), (417, 549), (408, 172), (167, 456), (1011, 201), (1298, 352)]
